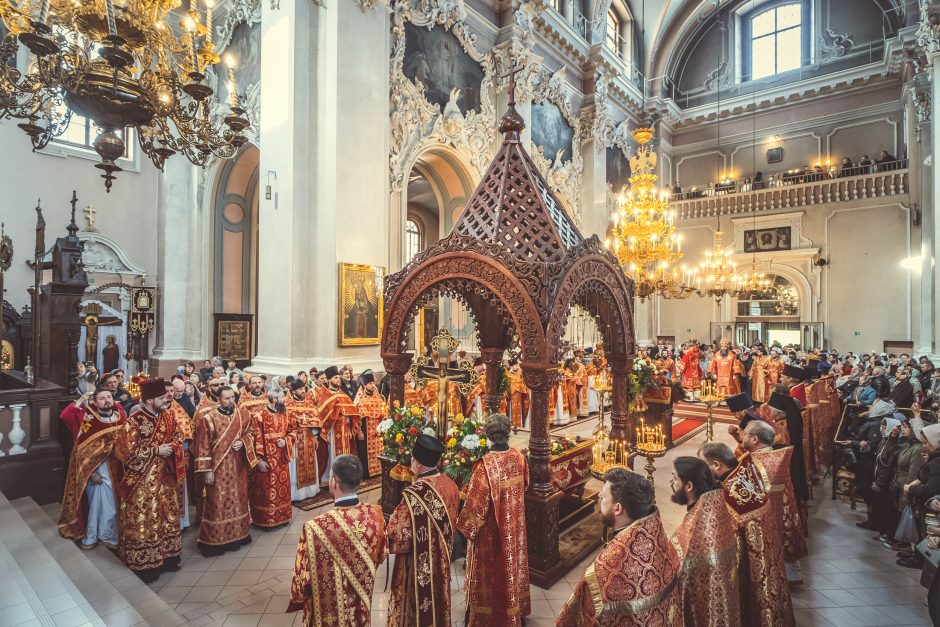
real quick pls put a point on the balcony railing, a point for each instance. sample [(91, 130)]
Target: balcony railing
[(793, 190)]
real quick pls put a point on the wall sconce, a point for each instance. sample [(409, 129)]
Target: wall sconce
[(267, 188)]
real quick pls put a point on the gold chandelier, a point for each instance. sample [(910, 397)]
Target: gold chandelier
[(121, 64), (644, 237), (719, 272), (754, 283)]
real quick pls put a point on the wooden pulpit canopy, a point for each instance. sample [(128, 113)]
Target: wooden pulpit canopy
[(519, 263)]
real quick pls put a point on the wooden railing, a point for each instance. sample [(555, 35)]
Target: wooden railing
[(786, 196)]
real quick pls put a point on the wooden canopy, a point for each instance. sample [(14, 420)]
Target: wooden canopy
[(519, 263)]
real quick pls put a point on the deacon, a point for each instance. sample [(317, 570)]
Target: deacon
[(224, 449), (765, 593), (269, 481), (708, 537), (421, 535), (338, 553), (518, 395), (690, 367), (792, 377), (627, 586), (309, 461), (339, 418), (412, 396), (254, 398), (89, 506), (373, 408), (726, 368), (151, 449), (493, 521), (758, 440)]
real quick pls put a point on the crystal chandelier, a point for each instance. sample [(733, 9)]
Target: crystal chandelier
[(754, 283), (121, 64), (718, 271), (643, 233)]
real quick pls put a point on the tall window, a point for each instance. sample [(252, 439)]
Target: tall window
[(613, 31), (776, 40), (82, 132), (412, 240)]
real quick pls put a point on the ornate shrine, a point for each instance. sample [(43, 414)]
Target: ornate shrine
[(517, 261)]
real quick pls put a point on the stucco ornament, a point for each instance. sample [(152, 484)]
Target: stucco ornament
[(417, 124), (928, 31)]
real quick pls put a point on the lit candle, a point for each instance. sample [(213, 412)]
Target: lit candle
[(192, 6), (232, 85)]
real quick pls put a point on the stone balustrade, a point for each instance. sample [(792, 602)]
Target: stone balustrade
[(787, 196)]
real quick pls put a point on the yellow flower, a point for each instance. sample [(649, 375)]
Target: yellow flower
[(399, 438), (452, 442), (482, 441), (416, 411)]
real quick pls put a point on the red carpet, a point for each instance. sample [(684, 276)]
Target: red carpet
[(683, 430)]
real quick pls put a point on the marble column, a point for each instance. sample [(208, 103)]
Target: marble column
[(931, 226)]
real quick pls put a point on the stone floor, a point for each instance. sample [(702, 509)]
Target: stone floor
[(850, 580)]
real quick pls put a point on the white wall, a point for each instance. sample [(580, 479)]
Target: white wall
[(128, 214)]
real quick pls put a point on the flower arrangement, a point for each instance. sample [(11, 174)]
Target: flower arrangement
[(562, 444), (400, 430), (466, 443)]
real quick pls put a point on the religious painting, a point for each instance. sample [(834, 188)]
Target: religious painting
[(618, 168), (360, 304), (7, 355), (245, 48), (551, 132), (436, 59), (767, 240), (775, 155), (233, 337)]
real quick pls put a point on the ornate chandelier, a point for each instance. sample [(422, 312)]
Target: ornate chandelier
[(718, 271), (754, 283), (121, 64), (643, 233)]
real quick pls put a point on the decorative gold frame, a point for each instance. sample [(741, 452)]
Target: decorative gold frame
[(348, 273)]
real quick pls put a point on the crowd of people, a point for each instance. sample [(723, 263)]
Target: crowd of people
[(804, 174)]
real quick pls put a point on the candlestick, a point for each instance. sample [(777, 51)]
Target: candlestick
[(232, 85), (209, 4), (192, 38), (43, 11)]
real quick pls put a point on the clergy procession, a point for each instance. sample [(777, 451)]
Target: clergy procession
[(237, 457)]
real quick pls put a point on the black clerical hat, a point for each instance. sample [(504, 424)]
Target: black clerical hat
[(738, 402), (778, 401), (297, 384), (331, 372), (794, 372), (427, 450), (367, 377), (152, 388), (810, 373)]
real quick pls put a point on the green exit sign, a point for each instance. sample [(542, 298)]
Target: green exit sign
[(856, 332), (688, 330)]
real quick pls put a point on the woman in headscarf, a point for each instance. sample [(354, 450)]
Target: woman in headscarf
[(902, 392), (883, 511), (909, 462), (925, 486)]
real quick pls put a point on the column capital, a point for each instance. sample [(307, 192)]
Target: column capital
[(397, 363)]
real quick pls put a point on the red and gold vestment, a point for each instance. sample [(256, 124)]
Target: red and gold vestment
[(269, 492), (149, 516), (225, 515), (311, 460), (94, 446), (775, 466), (334, 571), (420, 533), (708, 539), (339, 419), (726, 369), (691, 368), (493, 521), (633, 582), (518, 398), (374, 408), (765, 592)]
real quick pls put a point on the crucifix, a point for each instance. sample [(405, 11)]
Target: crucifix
[(511, 74), (462, 374), (90, 218)]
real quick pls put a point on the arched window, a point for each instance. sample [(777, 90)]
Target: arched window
[(412, 240), (613, 31), (776, 40), (779, 300)]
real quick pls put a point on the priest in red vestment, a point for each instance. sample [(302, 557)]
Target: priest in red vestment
[(634, 580), (765, 593), (421, 535), (337, 555), (518, 395), (373, 408), (725, 367), (708, 539), (792, 377), (690, 367), (254, 397), (223, 447), (774, 463), (269, 481), (310, 458), (151, 449), (339, 418), (89, 501), (493, 521), (412, 396)]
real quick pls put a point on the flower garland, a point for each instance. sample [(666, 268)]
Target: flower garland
[(561, 445), (466, 443), (400, 430)]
